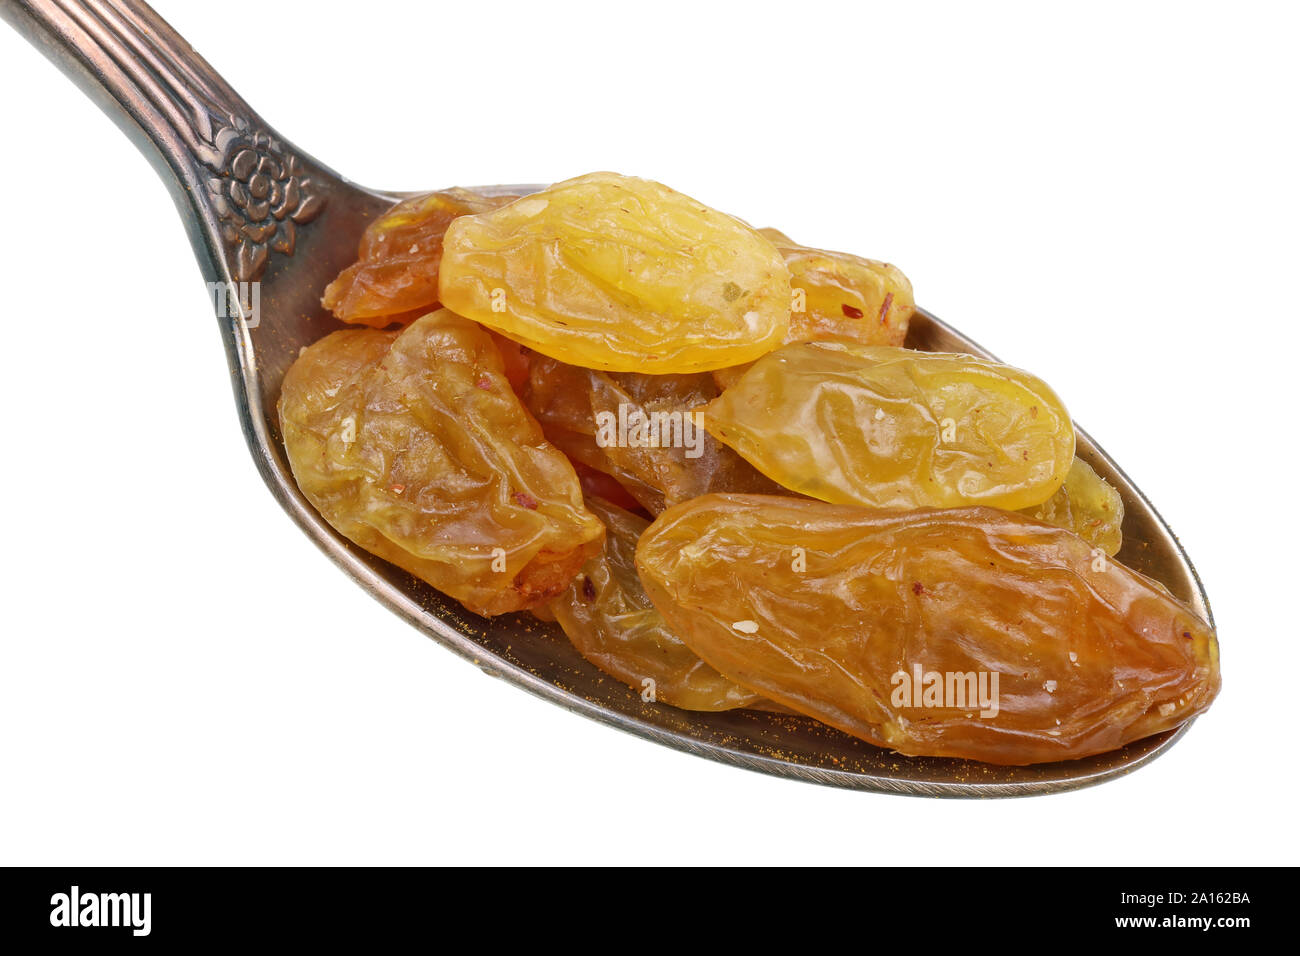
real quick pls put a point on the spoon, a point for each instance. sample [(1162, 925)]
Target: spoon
[(271, 227)]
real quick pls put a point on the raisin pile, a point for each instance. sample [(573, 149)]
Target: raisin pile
[(704, 451)]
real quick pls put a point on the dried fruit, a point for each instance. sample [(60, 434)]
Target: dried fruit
[(413, 446), (915, 613), (894, 428), (396, 276), (839, 296), (846, 297), (559, 397), (640, 430), (1087, 505), (646, 426), (621, 274), (609, 619), (615, 310)]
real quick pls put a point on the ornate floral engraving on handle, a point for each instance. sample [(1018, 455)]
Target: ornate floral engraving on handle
[(260, 193), (252, 192)]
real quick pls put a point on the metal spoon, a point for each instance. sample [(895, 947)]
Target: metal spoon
[(260, 212)]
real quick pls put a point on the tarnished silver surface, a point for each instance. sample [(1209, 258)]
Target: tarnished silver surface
[(257, 209)]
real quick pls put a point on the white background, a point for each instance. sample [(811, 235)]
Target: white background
[(1105, 194)]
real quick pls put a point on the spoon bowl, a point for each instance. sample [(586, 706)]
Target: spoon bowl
[(271, 227)]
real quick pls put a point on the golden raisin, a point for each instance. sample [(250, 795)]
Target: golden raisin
[(968, 632), (620, 274), (395, 441)]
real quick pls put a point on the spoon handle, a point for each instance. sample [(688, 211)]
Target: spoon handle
[(242, 192)]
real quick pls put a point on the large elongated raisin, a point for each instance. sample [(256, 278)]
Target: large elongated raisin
[(414, 446), (894, 428), (609, 619), (971, 632), (621, 274)]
